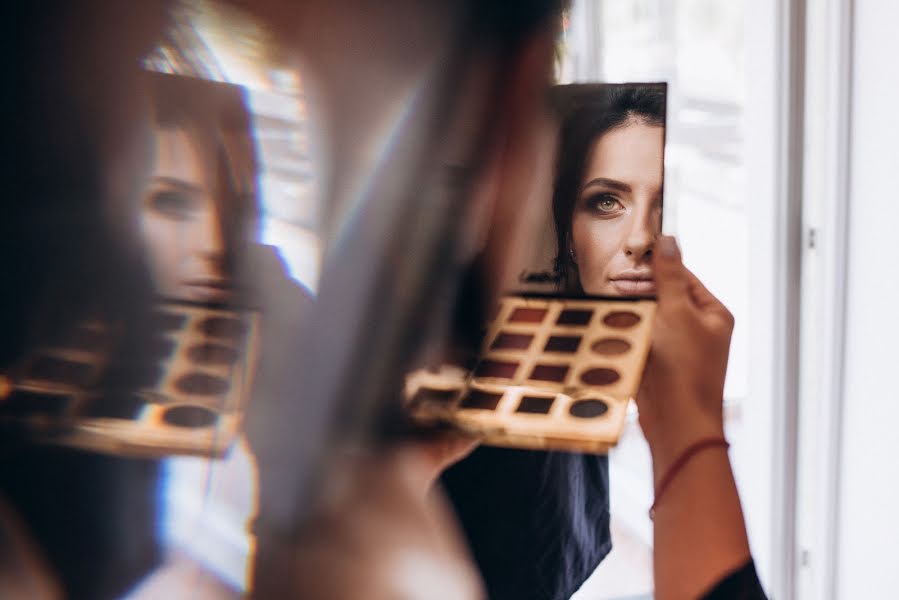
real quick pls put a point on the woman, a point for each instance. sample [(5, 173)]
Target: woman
[(199, 204), (607, 197)]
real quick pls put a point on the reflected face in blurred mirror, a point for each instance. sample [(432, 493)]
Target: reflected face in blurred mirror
[(618, 211), (181, 221)]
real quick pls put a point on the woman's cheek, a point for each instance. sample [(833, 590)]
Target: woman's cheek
[(163, 240), (595, 242)]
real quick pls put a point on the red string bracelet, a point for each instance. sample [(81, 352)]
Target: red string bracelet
[(688, 453)]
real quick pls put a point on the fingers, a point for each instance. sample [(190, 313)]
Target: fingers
[(671, 278)]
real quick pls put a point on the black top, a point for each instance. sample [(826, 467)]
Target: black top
[(537, 523), (742, 584)]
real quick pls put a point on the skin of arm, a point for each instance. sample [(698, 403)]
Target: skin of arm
[(700, 535)]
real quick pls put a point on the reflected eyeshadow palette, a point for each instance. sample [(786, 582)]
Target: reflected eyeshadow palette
[(182, 391), (555, 373)]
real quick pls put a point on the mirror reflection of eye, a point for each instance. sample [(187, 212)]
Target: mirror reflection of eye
[(604, 204), (172, 203)]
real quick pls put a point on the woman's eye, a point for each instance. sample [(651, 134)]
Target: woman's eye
[(605, 204), (172, 203)]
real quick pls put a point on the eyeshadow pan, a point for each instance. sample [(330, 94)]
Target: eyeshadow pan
[(223, 327), (189, 416), (555, 373), (213, 354), (600, 376), (621, 319), (611, 346), (563, 343), (201, 383), (125, 406), (527, 315), (574, 316), (512, 341), (22, 403), (535, 405), (588, 409), (58, 370), (432, 396), (481, 400), (496, 368)]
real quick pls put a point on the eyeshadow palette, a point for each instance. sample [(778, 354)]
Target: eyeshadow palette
[(182, 392), (555, 373)]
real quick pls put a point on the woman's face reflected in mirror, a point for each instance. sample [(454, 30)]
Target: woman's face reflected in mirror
[(618, 212), (181, 222)]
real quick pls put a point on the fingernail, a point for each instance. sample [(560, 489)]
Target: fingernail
[(667, 246)]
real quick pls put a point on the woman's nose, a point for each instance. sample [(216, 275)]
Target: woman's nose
[(641, 237), (210, 239)]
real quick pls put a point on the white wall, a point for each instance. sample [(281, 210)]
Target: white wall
[(869, 512)]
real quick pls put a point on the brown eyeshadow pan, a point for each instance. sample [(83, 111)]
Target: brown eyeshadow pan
[(432, 396), (527, 315), (611, 346), (588, 409), (497, 368), (574, 316), (622, 319), (124, 406), (512, 341), (223, 327), (554, 373), (213, 354), (481, 400), (563, 343), (600, 376), (535, 405), (201, 383), (189, 416)]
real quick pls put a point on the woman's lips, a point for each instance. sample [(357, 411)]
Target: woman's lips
[(634, 287), (211, 290)]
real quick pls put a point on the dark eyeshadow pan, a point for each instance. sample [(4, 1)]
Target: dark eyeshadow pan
[(22, 404), (201, 383), (611, 346), (213, 354), (555, 373), (527, 315), (575, 316), (58, 370), (588, 409), (621, 319), (563, 343), (535, 405), (496, 368), (222, 327), (481, 400), (124, 406), (189, 416), (512, 341), (432, 396), (600, 376)]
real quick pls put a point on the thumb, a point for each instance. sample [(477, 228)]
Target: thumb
[(671, 277)]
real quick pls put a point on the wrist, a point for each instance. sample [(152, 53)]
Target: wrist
[(666, 446)]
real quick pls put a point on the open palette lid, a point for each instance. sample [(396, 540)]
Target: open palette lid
[(555, 373), (182, 392)]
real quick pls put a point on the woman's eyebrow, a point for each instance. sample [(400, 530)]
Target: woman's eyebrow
[(182, 184), (609, 183)]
